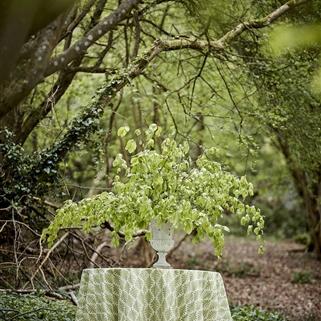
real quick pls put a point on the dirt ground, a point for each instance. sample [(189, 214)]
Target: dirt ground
[(283, 279)]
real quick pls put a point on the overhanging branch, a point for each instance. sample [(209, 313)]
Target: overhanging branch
[(81, 46), (84, 124)]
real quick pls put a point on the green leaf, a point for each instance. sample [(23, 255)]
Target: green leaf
[(131, 146), (159, 180), (153, 127), (150, 143), (158, 131), (137, 132), (122, 131)]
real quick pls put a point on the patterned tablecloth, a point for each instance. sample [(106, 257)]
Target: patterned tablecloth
[(151, 295)]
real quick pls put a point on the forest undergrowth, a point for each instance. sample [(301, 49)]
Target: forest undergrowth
[(283, 284)]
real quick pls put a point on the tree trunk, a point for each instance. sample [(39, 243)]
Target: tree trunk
[(311, 197), (308, 187)]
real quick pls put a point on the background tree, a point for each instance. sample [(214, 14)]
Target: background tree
[(288, 96), (103, 64)]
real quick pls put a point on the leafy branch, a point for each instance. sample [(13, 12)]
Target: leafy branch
[(168, 186)]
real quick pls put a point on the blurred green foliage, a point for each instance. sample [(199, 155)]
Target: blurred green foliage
[(302, 277), (251, 313), (239, 270), (286, 37)]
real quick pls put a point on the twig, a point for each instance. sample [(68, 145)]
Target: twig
[(96, 254), (90, 247), (120, 233), (123, 250), (177, 245), (15, 245), (21, 223), (46, 257), (55, 295), (73, 298), (51, 294), (44, 278), (87, 255), (4, 225), (154, 259), (69, 287), (56, 207)]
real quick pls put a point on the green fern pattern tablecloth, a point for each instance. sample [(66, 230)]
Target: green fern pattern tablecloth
[(151, 295)]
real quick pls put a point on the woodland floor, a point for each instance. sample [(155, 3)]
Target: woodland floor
[(283, 279)]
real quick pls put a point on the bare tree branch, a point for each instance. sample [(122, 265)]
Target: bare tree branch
[(74, 23), (81, 46), (46, 257)]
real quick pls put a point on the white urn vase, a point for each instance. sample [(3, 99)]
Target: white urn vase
[(162, 241)]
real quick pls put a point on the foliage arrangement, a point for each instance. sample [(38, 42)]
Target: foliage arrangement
[(168, 186)]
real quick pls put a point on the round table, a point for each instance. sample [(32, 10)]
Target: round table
[(125, 294)]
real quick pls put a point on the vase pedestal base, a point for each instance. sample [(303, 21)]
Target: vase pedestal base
[(161, 263)]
